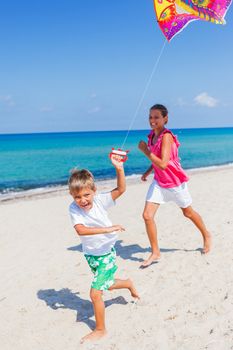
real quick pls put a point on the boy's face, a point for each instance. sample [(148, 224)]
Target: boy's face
[(84, 198)]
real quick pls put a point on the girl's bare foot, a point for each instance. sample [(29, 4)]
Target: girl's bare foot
[(152, 258), (207, 243), (132, 290), (95, 335)]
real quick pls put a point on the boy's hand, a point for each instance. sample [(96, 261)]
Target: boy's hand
[(116, 228), (116, 161)]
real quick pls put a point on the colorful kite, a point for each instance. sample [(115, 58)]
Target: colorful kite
[(174, 15)]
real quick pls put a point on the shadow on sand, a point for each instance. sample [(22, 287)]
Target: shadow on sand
[(65, 299), (127, 252)]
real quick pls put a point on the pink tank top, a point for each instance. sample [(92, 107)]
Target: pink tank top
[(173, 175)]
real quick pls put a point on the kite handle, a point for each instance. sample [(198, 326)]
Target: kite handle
[(119, 152)]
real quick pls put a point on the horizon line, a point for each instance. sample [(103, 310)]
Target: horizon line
[(115, 130)]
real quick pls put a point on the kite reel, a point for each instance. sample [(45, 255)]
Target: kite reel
[(119, 152)]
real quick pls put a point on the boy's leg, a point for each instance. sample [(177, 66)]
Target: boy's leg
[(190, 213), (128, 284), (148, 216), (99, 311)]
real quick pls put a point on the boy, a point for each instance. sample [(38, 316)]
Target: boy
[(98, 236)]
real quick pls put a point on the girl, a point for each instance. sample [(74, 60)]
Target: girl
[(170, 180)]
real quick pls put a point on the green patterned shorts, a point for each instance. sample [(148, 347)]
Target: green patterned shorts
[(103, 268)]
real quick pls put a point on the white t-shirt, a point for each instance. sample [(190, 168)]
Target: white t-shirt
[(97, 216)]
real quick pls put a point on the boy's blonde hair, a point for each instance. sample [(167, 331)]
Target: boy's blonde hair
[(80, 179)]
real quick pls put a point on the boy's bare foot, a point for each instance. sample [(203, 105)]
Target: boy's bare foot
[(207, 243), (132, 290), (152, 258), (95, 335)]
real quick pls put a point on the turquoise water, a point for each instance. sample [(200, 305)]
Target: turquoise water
[(30, 161)]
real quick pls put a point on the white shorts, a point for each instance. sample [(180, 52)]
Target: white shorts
[(179, 194)]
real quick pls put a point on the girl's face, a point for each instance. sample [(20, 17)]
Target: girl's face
[(156, 119)]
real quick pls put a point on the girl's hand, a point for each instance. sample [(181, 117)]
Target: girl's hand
[(143, 146), (116, 228), (144, 177), (116, 161)]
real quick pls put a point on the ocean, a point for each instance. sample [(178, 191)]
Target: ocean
[(44, 160)]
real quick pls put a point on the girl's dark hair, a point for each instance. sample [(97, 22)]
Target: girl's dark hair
[(161, 108)]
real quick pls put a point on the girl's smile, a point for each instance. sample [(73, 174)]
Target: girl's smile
[(156, 120)]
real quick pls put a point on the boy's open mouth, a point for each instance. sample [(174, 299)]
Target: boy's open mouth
[(86, 206)]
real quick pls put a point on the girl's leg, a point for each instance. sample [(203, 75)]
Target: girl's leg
[(148, 216), (190, 213), (99, 310), (128, 284)]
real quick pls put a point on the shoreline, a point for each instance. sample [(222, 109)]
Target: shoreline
[(42, 192)]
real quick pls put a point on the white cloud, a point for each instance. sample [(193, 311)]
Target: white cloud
[(204, 99), (7, 100), (94, 110)]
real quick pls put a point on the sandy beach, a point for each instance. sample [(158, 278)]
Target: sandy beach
[(186, 298)]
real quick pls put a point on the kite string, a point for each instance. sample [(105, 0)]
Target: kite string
[(144, 93)]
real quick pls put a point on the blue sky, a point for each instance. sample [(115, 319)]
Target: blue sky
[(73, 65)]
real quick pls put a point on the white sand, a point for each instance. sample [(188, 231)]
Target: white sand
[(186, 298)]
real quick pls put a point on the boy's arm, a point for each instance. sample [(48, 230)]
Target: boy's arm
[(87, 231), (120, 174), (162, 162)]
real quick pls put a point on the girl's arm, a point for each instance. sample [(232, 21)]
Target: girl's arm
[(146, 173), (87, 231), (162, 162)]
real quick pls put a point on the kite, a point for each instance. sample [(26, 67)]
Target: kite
[(174, 15)]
